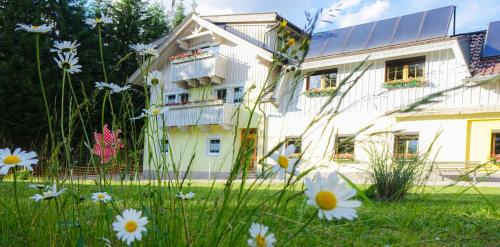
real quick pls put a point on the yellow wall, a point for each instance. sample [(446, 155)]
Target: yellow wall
[(479, 138), (200, 93)]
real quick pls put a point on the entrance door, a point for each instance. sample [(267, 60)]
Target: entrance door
[(249, 147)]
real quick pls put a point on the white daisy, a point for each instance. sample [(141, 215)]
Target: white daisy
[(155, 78), (115, 88), (187, 196), (64, 47), (49, 194), (68, 62), (10, 159), (260, 237), (34, 28), (103, 197), (104, 19), (37, 186), (285, 164), (144, 49), (331, 197), (152, 112), (130, 225)]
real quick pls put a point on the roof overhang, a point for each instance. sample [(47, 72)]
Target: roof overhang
[(449, 112)]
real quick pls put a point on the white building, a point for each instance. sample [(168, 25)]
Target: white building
[(215, 66)]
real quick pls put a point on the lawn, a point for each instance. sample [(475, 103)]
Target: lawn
[(436, 217)]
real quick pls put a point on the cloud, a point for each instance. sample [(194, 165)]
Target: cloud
[(368, 12), (205, 8)]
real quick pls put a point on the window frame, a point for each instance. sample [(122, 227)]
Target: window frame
[(168, 99), (406, 62), (294, 140), (164, 142), (407, 137), (209, 140), (217, 94), (180, 98), (320, 73), (234, 94), (494, 143), (351, 138)]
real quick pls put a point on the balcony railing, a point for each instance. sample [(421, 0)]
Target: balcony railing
[(201, 114), (199, 70)]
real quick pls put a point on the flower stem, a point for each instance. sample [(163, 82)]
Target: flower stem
[(40, 79), (101, 53), (18, 208)]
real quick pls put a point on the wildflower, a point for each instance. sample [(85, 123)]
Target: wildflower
[(49, 194), (331, 197), (103, 197), (260, 237), (115, 88), (152, 112), (107, 144), (145, 50), (283, 23), (155, 78), (10, 159), (62, 47), (34, 28), (130, 225), (37, 186), (187, 196), (68, 62), (104, 19), (283, 162), (290, 42)]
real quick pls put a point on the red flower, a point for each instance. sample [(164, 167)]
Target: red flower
[(107, 146)]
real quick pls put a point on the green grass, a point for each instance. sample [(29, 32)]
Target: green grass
[(437, 217)]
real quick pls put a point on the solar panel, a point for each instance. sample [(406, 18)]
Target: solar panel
[(492, 43), (408, 28)]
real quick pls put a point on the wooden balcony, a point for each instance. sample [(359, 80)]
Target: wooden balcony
[(199, 70), (201, 115)]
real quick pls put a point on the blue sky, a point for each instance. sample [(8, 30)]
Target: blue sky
[(472, 15)]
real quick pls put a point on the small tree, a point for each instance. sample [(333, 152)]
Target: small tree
[(179, 15)]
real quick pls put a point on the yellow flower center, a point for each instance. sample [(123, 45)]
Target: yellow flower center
[(260, 240), (11, 160), (326, 200), (97, 20), (283, 161), (65, 65), (155, 81), (156, 112), (283, 23), (131, 226), (35, 27), (100, 196)]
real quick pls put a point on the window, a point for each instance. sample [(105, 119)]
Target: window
[(238, 94), (495, 146), (405, 69), (164, 146), (184, 98), (221, 94), (322, 79), (406, 145), (344, 147), (171, 99), (214, 146), (297, 142)]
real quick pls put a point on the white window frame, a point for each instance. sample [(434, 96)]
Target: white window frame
[(168, 146), (242, 94), (211, 138), (175, 98)]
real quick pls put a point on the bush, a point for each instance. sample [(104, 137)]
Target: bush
[(394, 176)]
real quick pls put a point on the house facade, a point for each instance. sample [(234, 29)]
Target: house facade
[(416, 85)]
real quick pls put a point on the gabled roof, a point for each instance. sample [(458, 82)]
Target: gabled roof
[(481, 66), (165, 42)]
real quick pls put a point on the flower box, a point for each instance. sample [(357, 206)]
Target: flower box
[(189, 56), (315, 92), (411, 82), (344, 158)]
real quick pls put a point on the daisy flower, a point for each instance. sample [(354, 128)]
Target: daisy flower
[(37, 186), (103, 197), (49, 194), (19, 157), (143, 49), (68, 62), (284, 164), (331, 197), (34, 28), (152, 112), (130, 225), (104, 19), (259, 236), (115, 88), (155, 78), (64, 47), (187, 196)]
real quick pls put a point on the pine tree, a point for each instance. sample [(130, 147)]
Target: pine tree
[(179, 15)]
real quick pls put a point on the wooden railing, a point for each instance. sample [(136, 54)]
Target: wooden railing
[(207, 113), (209, 65)]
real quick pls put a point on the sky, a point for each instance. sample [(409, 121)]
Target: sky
[(472, 15)]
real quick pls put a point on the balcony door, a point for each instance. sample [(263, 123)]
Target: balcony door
[(249, 147)]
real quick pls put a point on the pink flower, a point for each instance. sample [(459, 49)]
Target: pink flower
[(107, 146)]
